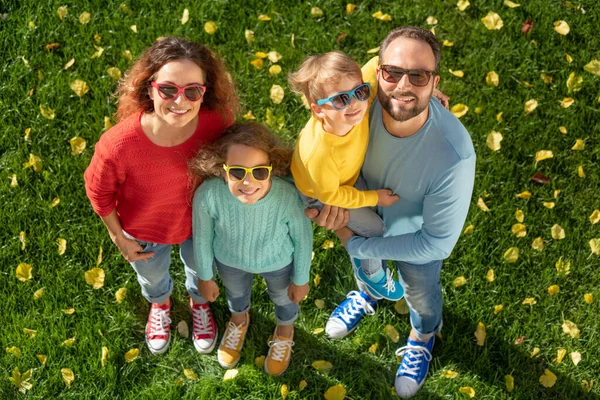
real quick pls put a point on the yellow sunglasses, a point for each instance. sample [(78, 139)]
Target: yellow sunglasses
[(236, 173)]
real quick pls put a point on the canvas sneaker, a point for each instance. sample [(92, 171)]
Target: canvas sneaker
[(345, 318), (387, 288), (204, 329), (158, 328), (414, 367), (280, 352), (230, 350)]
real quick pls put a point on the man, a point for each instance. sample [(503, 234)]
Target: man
[(425, 155)]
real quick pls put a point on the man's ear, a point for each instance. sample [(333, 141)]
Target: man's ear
[(317, 110), (436, 80)]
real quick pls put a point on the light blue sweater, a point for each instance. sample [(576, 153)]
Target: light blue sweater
[(261, 237), (433, 172)]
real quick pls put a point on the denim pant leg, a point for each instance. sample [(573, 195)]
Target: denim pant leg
[(365, 221), (238, 287), (153, 275), (186, 253), (423, 294), (278, 282), (370, 267)]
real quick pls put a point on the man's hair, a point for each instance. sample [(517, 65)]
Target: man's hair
[(416, 33)]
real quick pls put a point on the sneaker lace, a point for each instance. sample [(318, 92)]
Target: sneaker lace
[(355, 307), (279, 347), (234, 334), (159, 322), (202, 321), (389, 285), (411, 364)]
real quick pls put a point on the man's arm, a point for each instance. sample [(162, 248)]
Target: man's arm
[(444, 214)]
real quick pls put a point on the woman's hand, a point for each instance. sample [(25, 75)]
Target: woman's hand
[(208, 289), (131, 250), (297, 293), (330, 217)]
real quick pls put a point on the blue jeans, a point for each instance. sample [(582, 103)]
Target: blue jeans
[(422, 291), (238, 289), (153, 276)]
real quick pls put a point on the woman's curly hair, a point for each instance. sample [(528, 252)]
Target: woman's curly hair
[(210, 159), (133, 89)]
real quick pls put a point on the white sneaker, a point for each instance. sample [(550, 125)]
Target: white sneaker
[(158, 328), (204, 329)]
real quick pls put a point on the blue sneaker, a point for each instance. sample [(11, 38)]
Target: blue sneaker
[(387, 288), (345, 318), (414, 367)]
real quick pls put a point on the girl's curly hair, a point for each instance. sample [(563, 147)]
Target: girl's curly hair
[(133, 89), (210, 159)]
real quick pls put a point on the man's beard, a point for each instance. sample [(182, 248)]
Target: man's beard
[(400, 113)]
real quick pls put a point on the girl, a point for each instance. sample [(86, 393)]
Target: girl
[(175, 99), (249, 221)]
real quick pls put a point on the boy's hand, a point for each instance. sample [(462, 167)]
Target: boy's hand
[(344, 234), (208, 289), (386, 197), (297, 293)]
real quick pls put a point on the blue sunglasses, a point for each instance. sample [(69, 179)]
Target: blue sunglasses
[(343, 99)]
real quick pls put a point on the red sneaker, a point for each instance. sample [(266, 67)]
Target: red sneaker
[(204, 330), (158, 328)]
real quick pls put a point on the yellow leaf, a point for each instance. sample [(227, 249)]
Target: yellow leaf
[(259, 362), (104, 356), (575, 357), (284, 391), (392, 333), (580, 172), (322, 366), (68, 376), (182, 328), (447, 43), (527, 84), (230, 374), (373, 50), (47, 112), (42, 358), (328, 244), (530, 105), (480, 334), (133, 28), (524, 195), (38, 293), (529, 301), (210, 27), (546, 78), (519, 216), (498, 308), (567, 102), (62, 12), (510, 4), (99, 259), (481, 204), (190, 374), (337, 392), (317, 280), (185, 17), (534, 352), (468, 391), (549, 204), (127, 54), (595, 217), (120, 294), (449, 374), (62, 246), (30, 332), (350, 8), (24, 272), (492, 21), (509, 381), (99, 51), (593, 67), (579, 145), (401, 307), (13, 181), (543, 155), (302, 385), (574, 82), (553, 290), (79, 87), (35, 162), (274, 70), (459, 74), (595, 246), (264, 17), (320, 303), (469, 229), (569, 58), (589, 298), (249, 35), (257, 63), (570, 329), (459, 110), (68, 342), (511, 255), (586, 386), (69, 311), (274, 56), (563, 268), (548, 379), (22, 239), (557, 232), (563, 130), (538, 244), (69, 64), (492, 78), (77, 145), (316, 12), (316, 331), (95, 277), (115, 74), (132, 354), (478, 110), (373, 348), (15, 351), (493, 140), (499, 117), (519, 230), (462, 5), (85, 17), (561, 27), (431, 20), (381, 16), (490, 276), (560, 355), (556, 193), (460, 281), (249, 116)]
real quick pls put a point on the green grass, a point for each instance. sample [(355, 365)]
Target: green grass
[(365, 375)]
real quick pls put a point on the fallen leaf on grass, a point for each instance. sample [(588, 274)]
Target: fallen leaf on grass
[(185, 17), (509, 381), (540, 178), (460, 281), (30, 332), (595, 217), (99, 51), (23, 272), (431, 20), (392, 333), (493, 140), (85, 18), (570, 329), (77, 145), (21, 381), (317, 280), (549, 204), (69, 342), (15, 351), (459, 110), (589, 298), (557, 232), (534, 352), (553, 290), (120, 295), (401, 307), (527, 26), (580, 172), (498, 308), (449, 374), (561, 27), (13, 181), (38, 293), (337, 392), (567, 102), (320, 304), (490, 275), (469, 229), (480, 334), (22, 239), (322, 366), (511, 255), (468, 390), (492, 78), (79, 87), (524, 195), (586, 386), (579, 145), (492, 21), (68, 376), (316, 331), (350, 8), (548, 379), (519, 230), (69, 311), (510, 4), (277, 94), (264, 17), (131, 355), (190, 374), (95, 277), (62, 12), (381, 16), (274, 70), (560, 354), (259, 362), (316, 12), (182, 328), (595, 246), (529, 301), (284, 391), (210, 27), (530, 105), (481, 204), (593, 67), (462, 5), (575, 357), (373, 348), (458, 74)]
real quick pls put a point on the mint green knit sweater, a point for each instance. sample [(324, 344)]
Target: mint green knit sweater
[(261, 237)]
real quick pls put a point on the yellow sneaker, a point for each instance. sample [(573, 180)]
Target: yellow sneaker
[(230, 350), (280, 352)]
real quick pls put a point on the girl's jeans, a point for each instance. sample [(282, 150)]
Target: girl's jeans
[(238, 288)]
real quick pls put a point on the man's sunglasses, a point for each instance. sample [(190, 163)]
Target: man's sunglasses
[(417, 77), (236, 173), (170, 91), (343, 99)]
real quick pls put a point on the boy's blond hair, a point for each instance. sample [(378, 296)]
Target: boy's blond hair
[(319, 72)]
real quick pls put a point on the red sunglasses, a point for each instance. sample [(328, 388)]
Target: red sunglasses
[(170, 91)]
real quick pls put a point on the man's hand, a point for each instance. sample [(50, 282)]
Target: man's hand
[(386, 197), (344, 234), (330, 217), (443, 98), (208, 289), (297, 293), (131, 249)]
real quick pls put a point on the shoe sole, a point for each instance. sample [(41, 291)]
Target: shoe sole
[(210, 349), (229, 366), (270, 374), (370, 291), (160, 351)]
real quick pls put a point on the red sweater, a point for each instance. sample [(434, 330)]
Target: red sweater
[(149, 185)]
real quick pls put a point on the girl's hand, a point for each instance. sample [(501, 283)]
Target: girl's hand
[(442, 97), (208, 289), (386, 197), (131, 249), (344, 234), (297, 293)]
